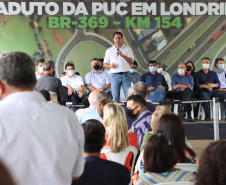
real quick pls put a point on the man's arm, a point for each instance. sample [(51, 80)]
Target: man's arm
[(106, 87), (109, 65), (127, 59), (90, 87), (81, 91)]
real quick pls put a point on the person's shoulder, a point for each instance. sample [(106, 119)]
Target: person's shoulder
[(89, 73), (145, 74)]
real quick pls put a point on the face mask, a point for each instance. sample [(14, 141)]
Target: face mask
[(70, 72), (152, 69), (96, 67), (181, 72), (188, 68), (221, 66), (132, 70), (131, 114), (40, 69), (101, 67), (159, 70), (205, 66)]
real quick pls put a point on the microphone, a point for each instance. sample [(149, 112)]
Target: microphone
[(117, 49)]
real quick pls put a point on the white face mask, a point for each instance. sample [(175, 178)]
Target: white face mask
[(159, 70), (205, 66), (181, 72), (70, 72), (40, 69)]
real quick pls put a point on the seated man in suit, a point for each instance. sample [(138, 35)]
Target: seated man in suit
[(156, 83), (99, 171), (207, 83)]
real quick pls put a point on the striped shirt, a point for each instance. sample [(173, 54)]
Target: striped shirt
[(175, 175), (141, 126)]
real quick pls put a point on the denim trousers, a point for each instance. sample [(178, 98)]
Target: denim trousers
[(205, 94), (118, 80), (157, 95)]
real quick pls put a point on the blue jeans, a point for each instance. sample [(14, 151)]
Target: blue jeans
[(157, 95), (118, 80), (205, 94)]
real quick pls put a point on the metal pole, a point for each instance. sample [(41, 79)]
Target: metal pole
[(215, 118)]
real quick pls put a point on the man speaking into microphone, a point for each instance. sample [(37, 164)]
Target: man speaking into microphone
[(118, 58)]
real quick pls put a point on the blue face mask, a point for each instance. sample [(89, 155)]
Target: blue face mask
[(221, 66), (152, 69), (132, 70)]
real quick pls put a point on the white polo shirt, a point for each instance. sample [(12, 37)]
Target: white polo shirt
[(121, 64), (41, 143), (73, 82)]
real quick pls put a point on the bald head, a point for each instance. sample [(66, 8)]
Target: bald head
[(92, 98)]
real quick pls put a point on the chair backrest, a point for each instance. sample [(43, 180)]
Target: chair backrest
[(121, 156), (176, 183), (187, 166)]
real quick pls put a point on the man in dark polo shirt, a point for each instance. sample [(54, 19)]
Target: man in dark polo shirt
[(156, 83), (207, 83)]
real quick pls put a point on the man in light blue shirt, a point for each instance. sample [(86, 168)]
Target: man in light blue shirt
[(97, 80), (221, 72)]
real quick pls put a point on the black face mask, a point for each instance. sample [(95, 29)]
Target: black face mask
[(131, 114), (188, 68), (101, 67), (96, 67)]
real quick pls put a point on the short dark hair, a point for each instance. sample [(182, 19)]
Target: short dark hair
[(48, 64), (156, 149), (94, 135), (205, 58), (212, 169), (46, 94), (134, 63), (152, 62), (41, 60), (101, 60), (94, 59), (17, 69), (140, 88), (118, 33), (171, 126), (69, 64), (217, 60), (63, 73), (137, 99)]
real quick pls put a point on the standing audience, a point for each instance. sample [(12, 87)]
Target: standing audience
[(39, 73), (42, 142)]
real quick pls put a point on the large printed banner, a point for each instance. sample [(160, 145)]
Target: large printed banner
[(169, 32)]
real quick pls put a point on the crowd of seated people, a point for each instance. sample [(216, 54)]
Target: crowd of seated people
[(71, 153)]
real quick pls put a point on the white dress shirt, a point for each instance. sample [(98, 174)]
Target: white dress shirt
[(41, 143), (121, 64), (168, 79), (37, 75), (73, 82)]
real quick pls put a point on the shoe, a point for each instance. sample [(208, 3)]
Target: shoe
[(207, 118), (190, 119)]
